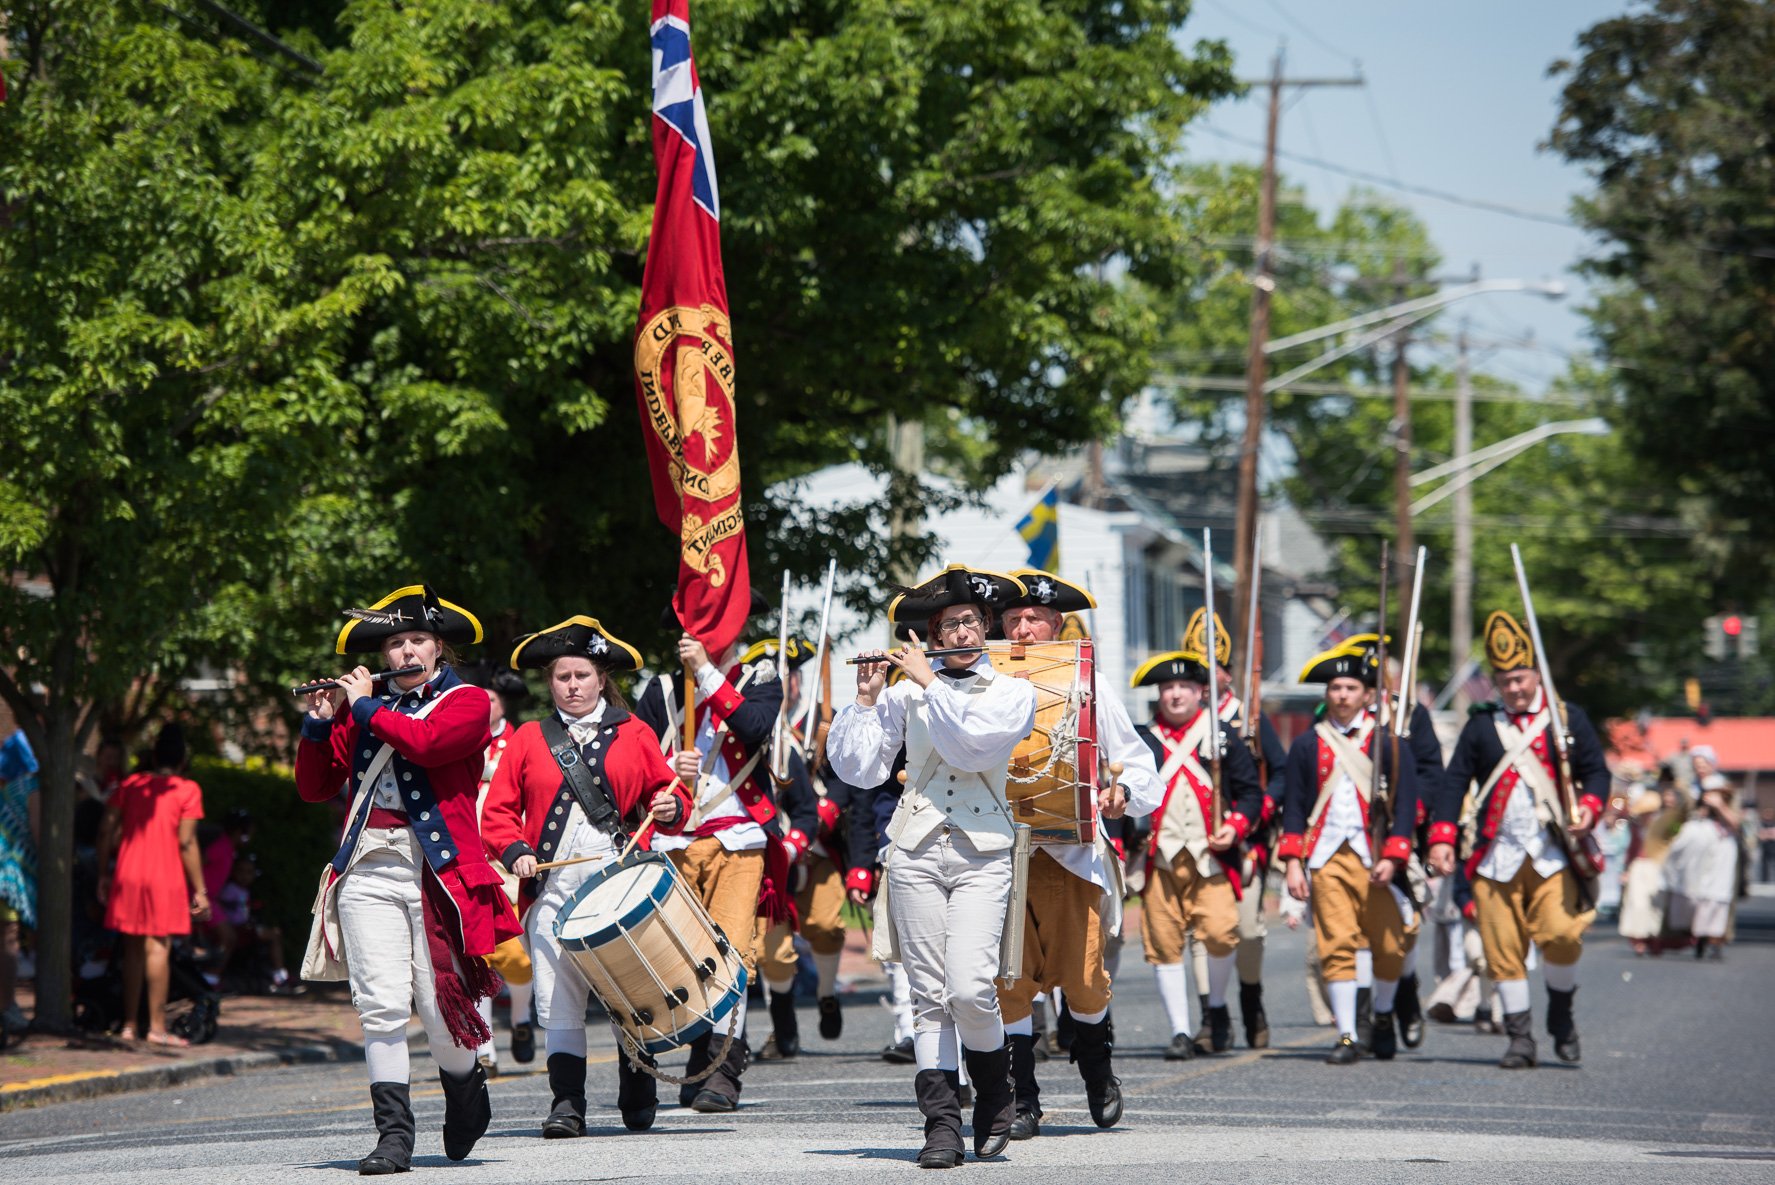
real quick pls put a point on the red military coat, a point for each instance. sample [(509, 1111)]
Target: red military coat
[(437, 764), (528, 787)]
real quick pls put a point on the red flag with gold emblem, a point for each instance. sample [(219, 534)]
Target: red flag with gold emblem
[(684, 369)]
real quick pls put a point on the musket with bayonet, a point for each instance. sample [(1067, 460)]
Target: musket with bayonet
[(1379, 808), (1253, 691), (1408, 665), (1585, 856), (1213, 664), (780, 734), (813, 738)]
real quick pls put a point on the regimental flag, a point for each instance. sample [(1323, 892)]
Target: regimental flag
[(1040, 529), (684, 371)]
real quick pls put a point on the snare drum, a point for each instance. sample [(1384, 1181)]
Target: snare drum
[(663, 970), (1052, 781)]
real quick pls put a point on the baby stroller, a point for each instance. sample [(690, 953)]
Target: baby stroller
[(192, 1009)]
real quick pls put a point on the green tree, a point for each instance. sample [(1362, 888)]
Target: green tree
[(168, 389), (1667, 107)]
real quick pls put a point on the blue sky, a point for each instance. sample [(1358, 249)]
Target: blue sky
[(1457, 99)]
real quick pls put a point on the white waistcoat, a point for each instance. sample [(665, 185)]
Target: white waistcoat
[(937, 794)]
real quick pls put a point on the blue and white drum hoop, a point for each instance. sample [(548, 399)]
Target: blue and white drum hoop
[(663, 970)]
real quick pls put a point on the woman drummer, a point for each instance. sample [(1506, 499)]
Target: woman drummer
[(534, 815), (410, 908), (949, 865)]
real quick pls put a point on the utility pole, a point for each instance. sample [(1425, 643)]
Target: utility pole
[(1460, 627), (1404, 544), (1263, 283)]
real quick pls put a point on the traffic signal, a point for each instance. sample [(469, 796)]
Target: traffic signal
[(1729, 635)]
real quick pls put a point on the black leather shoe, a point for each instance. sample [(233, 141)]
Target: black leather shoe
[(1026, 1126), (563, 1124), (1344, 1053), (468, 1109), (391, 1103), (1386, 1043), (899, 1052), (710, 1102), (523, 1044), (1181, 1049), (831, 1018), (939, 1158)]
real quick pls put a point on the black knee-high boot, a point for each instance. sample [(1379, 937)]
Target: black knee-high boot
[(995, 1099), (637, 1093), (939, 1101), (567, 1083), (468, 1109), (697, 1063), (1028, 1122), (392, 1105), (1091, 1047)]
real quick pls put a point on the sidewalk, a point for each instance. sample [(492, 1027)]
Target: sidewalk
[(255, 1032)]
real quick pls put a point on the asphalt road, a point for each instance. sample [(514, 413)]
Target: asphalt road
[(1677, 1084)]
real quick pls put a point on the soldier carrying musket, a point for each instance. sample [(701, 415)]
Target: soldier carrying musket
[(1540, 779)]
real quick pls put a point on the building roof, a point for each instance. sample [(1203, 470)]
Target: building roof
[(1743, 743)]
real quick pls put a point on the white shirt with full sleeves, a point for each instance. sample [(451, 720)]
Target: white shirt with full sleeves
[(974, 733)]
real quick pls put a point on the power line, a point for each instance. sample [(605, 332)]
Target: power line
[(1421, 190), (1300, 27)]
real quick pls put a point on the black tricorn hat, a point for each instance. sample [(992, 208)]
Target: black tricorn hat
[(954, 585), (1343, 662), (1044, 590), (797, 652), (577, 637), (1167, 668), (668, 618), (415, 607)]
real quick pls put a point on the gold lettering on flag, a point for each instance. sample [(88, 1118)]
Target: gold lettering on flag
[(692, 414)]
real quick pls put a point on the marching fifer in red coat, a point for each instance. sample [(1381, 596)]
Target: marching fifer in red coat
[(534, 814), (409, 908)]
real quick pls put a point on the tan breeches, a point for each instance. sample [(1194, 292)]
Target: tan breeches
[(1062, 942), (1529, 908), (1349, 913), (727, 884), (1179, 901)]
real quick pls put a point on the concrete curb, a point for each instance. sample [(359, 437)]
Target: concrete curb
[(98, 1083)]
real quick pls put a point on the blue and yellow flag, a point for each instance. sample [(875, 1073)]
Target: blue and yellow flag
[(1040, 529)]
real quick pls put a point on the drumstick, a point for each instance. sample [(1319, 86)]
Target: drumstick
[(644, 829), (640, 833)]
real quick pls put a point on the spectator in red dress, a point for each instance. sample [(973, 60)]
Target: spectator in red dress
[(157, 886)]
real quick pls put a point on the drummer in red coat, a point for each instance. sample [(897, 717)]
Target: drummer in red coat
[(409, 907), (571, 786)]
